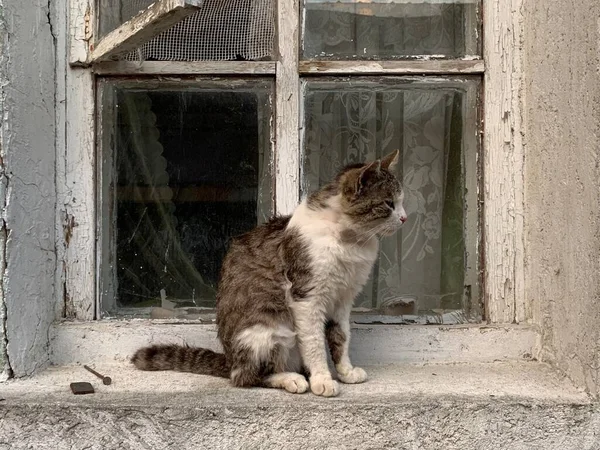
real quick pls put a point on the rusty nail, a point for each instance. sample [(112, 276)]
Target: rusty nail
[(105, 380)]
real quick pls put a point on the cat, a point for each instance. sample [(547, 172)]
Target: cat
[(287, 287)]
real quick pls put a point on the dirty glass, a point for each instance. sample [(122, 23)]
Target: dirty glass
[(113, 13), (430, 266), (184, 168), (390, 29)]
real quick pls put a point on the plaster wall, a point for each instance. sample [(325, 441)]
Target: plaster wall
[(562, 183), (27, 180)]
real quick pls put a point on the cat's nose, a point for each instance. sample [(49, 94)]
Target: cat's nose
[(403, 219)]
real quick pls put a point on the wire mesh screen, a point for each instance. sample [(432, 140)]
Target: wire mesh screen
[(221, 30)]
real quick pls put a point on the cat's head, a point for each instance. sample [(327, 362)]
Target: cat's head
[(372, 196)]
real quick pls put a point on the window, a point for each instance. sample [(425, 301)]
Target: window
[(185, 167), (389, 29), (209, 123), (422, 269)]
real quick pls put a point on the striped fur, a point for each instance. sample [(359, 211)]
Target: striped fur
[(182, 359)]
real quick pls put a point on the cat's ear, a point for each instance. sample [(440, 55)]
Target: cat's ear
[(365, 174), (390, 162)]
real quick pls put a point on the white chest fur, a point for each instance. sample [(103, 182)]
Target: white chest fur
[(340, 267)]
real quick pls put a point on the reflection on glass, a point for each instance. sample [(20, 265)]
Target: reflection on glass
[(422, 268), (190, 169), (389, 29)]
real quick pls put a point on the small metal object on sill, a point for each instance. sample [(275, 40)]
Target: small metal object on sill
[(81, 388), (105, 380)]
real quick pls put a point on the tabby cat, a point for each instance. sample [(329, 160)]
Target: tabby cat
[(287, 287)]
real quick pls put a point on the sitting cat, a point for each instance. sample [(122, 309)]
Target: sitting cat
[(287, 288)]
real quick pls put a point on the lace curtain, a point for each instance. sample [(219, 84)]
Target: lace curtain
[(423, 262), (387, 29)]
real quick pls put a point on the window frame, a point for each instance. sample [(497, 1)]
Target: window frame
[(501, 156)]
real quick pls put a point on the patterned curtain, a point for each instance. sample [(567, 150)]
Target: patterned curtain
[(423, 262), (388, 29)]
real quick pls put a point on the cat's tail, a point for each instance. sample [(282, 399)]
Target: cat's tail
[(182, 359)]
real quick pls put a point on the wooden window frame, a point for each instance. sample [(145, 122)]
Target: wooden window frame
[(502, 256)]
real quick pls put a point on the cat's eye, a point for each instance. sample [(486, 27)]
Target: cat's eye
[(390, 203)]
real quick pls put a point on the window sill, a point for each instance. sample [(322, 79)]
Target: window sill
[(108, 341), (496, 405)]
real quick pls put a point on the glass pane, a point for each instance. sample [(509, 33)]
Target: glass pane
[(390, 29), (429, 267), (183, 170), (221, 30), (115, 12)]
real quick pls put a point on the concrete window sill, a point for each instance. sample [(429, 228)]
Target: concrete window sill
[(513, 404)]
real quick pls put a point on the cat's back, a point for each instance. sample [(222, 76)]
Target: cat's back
[(259, 244), (252, 259), (264, 237), (251, 284)]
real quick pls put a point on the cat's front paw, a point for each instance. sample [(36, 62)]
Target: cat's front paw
[(324, 385), (353, 375)]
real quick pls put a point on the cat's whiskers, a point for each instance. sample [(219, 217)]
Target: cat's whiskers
[(371, 233)]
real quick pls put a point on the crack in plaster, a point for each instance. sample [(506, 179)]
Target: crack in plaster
[(7, 371), (49, 16), (4, 188)]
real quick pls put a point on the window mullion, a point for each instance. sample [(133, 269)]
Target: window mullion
[(503, 164), (287, 154)]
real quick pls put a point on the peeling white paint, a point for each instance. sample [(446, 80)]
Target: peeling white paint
[(503, 163), (5, 371), (287, 140)]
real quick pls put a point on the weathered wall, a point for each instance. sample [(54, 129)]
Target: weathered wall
[(562, 194), (4, 368), (27, 187)]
